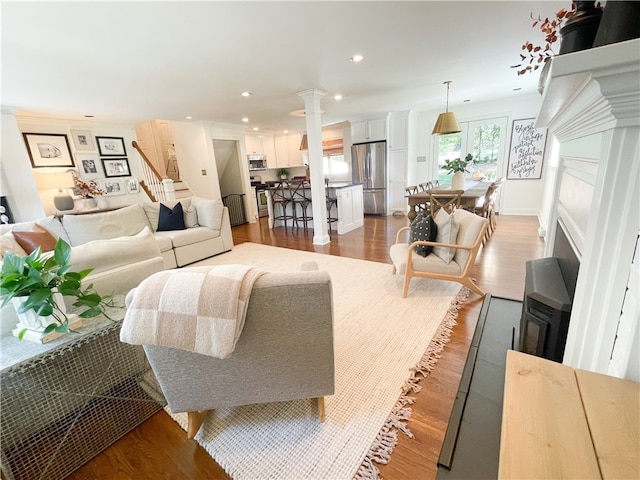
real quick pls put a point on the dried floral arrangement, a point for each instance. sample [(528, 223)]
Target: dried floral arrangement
[(86, 189), (538, 55)]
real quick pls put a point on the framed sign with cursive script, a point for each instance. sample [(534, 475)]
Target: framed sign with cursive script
[(527, 150)]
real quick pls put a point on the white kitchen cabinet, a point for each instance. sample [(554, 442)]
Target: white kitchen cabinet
[(397, 180), (261, 144), (398, 131), (287, 150), (369, 130), (296, 158)]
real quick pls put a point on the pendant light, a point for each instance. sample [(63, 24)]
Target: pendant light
[(447, 122)]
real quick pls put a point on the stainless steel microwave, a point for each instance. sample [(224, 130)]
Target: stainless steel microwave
[(257, 162)]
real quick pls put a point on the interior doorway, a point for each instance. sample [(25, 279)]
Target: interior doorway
[(227, 154)]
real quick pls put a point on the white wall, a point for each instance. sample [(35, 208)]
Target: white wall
[(197, 161), (518, 197), (18, 184)]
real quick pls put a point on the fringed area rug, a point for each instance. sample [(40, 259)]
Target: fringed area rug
[(383, 345)]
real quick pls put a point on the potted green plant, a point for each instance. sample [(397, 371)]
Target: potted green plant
[(37, 285), (458, 167), (283, 173)]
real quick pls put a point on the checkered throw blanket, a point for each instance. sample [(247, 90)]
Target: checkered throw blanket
[(199, 309)]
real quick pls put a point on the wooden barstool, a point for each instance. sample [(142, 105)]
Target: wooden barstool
[(280, 195), (299, 198), (331, 202)]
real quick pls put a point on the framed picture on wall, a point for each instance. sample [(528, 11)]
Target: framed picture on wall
[(116, 167), (132, 185), (48, 150), (111, 146), (112, 187), (83, 140), (526, 152), (89, 166)]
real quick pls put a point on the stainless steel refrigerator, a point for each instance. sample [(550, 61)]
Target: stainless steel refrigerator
[(369, 167)]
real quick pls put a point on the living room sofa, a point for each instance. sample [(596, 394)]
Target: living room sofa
[(123, 247)]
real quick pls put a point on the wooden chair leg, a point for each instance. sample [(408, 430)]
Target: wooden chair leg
[(321, 410), (471, 285), (195, 421)]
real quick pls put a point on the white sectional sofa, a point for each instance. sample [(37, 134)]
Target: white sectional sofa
[(123, 247)]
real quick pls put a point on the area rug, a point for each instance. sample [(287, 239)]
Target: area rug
[(383, 345)]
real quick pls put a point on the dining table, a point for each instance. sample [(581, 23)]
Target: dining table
[(473, 192)]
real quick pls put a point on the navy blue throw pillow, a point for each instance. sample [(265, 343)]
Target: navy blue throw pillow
[(171, 219), (423, 228)]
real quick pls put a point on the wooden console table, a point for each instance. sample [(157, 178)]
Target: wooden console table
[(558, 422)]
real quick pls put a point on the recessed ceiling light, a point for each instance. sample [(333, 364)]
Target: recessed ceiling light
[(255, 129), (245, 119), (189, 117), (516, 89), (246, 94), (88, 116), (338, 97), (357, 58), (286, 131), (466, 101)]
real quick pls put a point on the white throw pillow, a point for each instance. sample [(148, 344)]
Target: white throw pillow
[(190, 217), (8, 243), (209, 212), (447, 233)]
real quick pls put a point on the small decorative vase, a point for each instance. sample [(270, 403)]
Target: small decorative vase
[(457, 182), (102, 202), (86, 203), (36, 324)]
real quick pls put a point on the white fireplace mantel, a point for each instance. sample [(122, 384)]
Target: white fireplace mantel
[(591, 105)]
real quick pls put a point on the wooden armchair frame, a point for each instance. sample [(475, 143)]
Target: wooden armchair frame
[(464, 278)]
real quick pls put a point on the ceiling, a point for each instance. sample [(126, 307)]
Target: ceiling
[(136, 61)]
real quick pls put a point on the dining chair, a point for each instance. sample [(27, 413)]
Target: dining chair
[(484, 208), (425, 186), (448, 199), (411, 189)]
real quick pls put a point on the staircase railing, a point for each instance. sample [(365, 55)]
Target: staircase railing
[(156, 186)]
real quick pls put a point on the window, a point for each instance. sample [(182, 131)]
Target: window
[(484, 139), (335, 168)]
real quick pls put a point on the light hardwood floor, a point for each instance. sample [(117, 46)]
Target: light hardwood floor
[(159, 449)]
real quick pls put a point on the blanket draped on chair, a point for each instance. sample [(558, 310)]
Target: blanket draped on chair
[(200, 309)]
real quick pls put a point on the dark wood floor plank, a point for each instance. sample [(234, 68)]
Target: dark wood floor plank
[(159, 448)]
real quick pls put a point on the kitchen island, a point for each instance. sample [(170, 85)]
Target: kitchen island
[(348, 208)]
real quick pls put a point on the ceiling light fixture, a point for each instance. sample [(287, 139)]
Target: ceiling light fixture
[(255, 129), (357, 58), (189, 117), (447, 122), (245, 119), (246, 94), (338, 97)]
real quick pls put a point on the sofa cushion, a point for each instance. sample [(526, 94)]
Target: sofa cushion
[(8, 243), (181, 238), (152, 210), (470, 226), (164, 243), (447, 233), (423, 228), (170, 218), (432, 263), (102, 255), (209, 212), (190, 217), (100, 226), (38, 236)]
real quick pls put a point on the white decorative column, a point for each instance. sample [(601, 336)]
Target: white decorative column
[(314, 139), (591, 104)]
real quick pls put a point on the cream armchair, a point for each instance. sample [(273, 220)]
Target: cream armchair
[(468, 241)]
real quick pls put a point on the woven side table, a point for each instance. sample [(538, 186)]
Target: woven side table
[(64, 402)]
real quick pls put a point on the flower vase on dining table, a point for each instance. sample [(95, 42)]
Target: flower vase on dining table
[(457, 182)]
